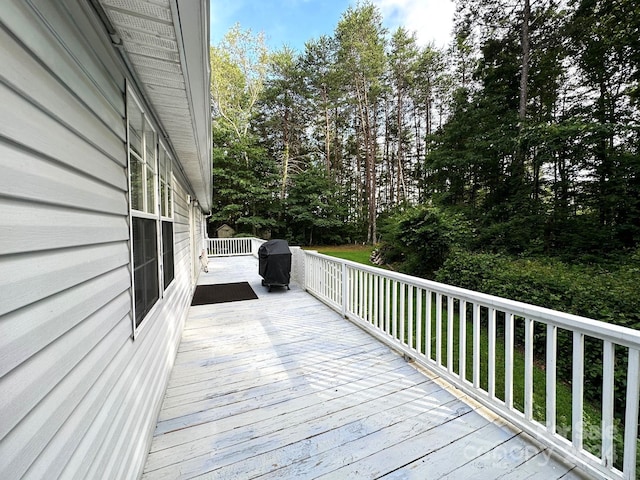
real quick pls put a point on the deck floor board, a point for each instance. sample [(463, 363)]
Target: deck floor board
[(282, 387)]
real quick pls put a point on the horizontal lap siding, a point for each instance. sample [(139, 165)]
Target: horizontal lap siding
[(78, 397)]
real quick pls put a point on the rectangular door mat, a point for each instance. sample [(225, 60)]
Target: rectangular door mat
[(223, 292)]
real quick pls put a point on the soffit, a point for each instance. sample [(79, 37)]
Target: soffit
[(166, 45)]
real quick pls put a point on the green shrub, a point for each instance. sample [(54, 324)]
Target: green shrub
[(419, 239)]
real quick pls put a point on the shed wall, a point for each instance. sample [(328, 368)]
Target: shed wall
[(78, 396)]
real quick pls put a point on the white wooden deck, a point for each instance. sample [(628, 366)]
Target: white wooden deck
[(283, 387)]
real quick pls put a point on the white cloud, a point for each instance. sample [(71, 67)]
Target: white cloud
[(432, 20)]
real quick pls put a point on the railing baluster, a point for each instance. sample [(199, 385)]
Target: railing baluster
[(333, 282), (371, 301), (427, 327), (631, 415), (394, 329), (403, 310), (361, 294), (607, 402), (387, 305), (528, 368), (476, 346), (492, 353), (340, 279), (462, 342), (450, 334), (552, 337), (419, 339), (439, 329), (365, 296), (353, 290), (410, 317), (508, 360), (376, 301), (577, 388)]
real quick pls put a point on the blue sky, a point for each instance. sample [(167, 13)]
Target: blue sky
[(292, 22)]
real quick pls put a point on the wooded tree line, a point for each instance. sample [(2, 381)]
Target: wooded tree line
[(527, 125)]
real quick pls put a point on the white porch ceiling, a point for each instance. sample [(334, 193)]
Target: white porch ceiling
[(166, 43)]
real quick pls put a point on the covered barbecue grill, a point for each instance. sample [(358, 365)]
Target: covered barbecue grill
[(274, 263)]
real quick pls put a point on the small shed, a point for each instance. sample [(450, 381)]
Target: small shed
[(225, 231)]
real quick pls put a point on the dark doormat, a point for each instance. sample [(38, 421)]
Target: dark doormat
[(223, 292)]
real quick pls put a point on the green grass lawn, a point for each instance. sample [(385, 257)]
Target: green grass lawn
[(355, 253)]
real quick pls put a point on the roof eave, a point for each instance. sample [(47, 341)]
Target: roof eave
[(165, 44), (192, 31)]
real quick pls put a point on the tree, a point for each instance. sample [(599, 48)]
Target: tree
[(602, 38), (361, 59), (238, 69), (319, 72), (245, 179), (402, 61), (315, 210), (282, 117), (243, 173)]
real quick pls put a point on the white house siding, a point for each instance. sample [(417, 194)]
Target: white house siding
[(78, 396)]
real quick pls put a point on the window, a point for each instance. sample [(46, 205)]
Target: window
[(167, 252), (150, 197), (166, 213), (145, 266)]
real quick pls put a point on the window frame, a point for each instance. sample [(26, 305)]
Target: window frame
[(152, 207)]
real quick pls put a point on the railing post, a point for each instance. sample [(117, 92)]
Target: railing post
[(476, 346), (427, 326), (491, 381), (607, 403), (462, 343), (439, 329), (631, 414), (419, 335), (528, 368), (403, 311), (450, 333), (552, 352), (577, 387), (410, 318), (508, 360)]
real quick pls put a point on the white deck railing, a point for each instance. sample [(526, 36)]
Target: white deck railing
[(423, 319), (226, 247), (223, 247)]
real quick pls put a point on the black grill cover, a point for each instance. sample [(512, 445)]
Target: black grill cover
[(274, 262)]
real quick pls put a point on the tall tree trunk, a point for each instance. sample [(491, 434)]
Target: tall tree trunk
[(327, 136), (518, 166), (285, 171), (285, 156), (524, 75), (401, 185), (389, 183), (367, 126), (372, 152)]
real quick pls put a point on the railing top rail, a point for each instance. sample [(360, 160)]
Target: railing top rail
[(617, 334)]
